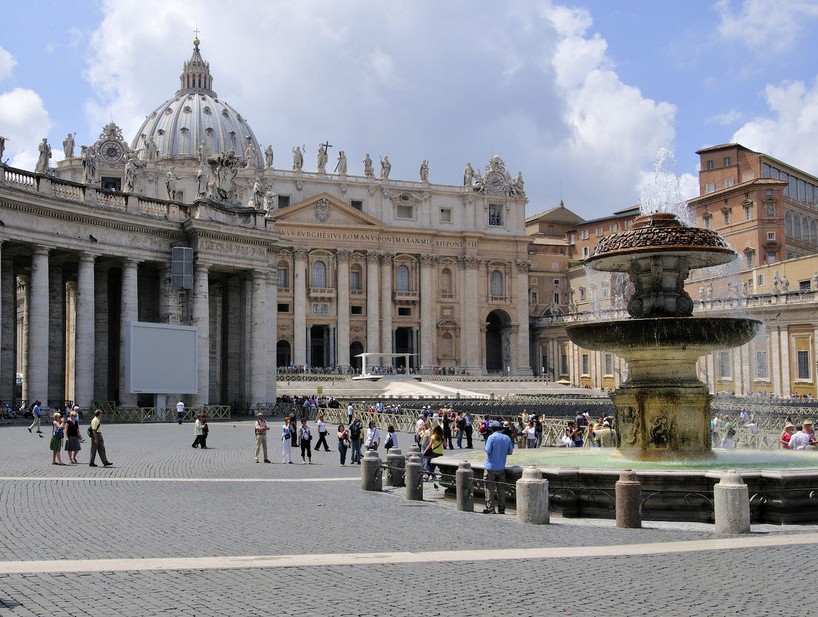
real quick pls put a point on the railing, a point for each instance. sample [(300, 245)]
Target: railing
[(19, 179), (138, 415)]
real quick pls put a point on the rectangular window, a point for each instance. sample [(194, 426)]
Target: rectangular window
[(770, 235), (357, 204), (729, 182), (608, 365), (750, 256), (586, 364), (598, 231), (556, 297), (283, 281), (708, 164), (765, 170), (495, 215), (283, 201), (585, 252), (445, 215), (405, 212), (727, 161), (556, 282), (404, 311), (760, 280), (613, 228), (802, 357), (563, 364), (726, 217), (356, 309), (804, 286), (283, 308), (761, 365), (748, 213), (585, 234), (709, 187), (725, 368), (355, 280), (708, 221)]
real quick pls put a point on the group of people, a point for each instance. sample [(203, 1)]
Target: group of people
[(798, 437), (65, 434)]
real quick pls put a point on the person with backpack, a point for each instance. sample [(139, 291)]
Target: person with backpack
[(355, 430)]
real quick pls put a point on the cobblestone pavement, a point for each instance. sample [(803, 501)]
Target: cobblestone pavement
[(257, 539)]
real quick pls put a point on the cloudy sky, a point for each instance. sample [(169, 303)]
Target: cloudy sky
[(579, 96)]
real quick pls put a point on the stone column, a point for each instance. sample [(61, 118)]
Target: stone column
[(101, 335), (84, 362), (38, 315), (258, 341), (784, 346), (201, 320), (342, 350), (300, 307), (523, 359), (272, 335), (386, 306), (129, 313), (8, 326), (428, 335), (373, 317), (775, 358), (56, 333), (471, 327)]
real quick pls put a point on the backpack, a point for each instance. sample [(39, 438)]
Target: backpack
[(355, 431)]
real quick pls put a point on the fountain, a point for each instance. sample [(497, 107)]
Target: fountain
[(662, 410)]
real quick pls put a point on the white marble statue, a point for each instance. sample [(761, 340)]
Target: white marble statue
[(386, 167), (68, 146), (298, 158), (170, 183), (341, 166), (369, 169), (42, 159), (202, 179), (2, 147), (89, 164), (424, 171), (131, 171), (151, 150), (468, 175), (321, 165), (258, 194), (268, 156), (250, 156)]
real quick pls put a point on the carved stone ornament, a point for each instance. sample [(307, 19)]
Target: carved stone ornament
[(322, 210)]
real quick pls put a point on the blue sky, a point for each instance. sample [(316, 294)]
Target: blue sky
[(578, 96)]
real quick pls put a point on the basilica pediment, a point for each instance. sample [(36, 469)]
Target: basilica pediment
[(324, 209)]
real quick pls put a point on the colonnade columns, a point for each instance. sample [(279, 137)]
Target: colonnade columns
[(342, 350), (56, 300), (84, 346), (101, 334), (201, 320), (784, 349), (427, 317), (523, 344), (129, 313), (272, 336), (258, 343), (373, 303), (38, 315), (386, 307), (8, 326), (470, 339), (300, 307)]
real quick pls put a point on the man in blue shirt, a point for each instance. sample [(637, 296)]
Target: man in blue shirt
[(498, 447)]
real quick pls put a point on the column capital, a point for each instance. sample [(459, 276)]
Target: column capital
[(523, 265), (88, 257), (40, 250), (428, 260), (301, 252), (343, 255), (373, 257)]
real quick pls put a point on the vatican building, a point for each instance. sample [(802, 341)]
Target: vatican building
[(276, 261)]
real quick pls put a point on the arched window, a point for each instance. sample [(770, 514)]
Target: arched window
[(402, 282), (497, 284), (356, 278), (283, 275), (446, 345), (788, 223), (446, 286), (796, 226), (319, 274)]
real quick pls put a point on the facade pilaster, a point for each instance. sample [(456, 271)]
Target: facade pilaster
[(38, 315), (342, 331), (201, 320), (272, 334), (129, 312), (471, 302), (784, 346), (258, 341), (387, 261), (56, 333), (373, 317), (84, 348), (102, 334), (8, 322), (300, 307), (427, 316), (523, 359)]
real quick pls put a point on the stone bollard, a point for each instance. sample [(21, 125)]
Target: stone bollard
[(414, 479), (464, 485), (371, 471), (532, 498), (731, 501), (628, 500), (395, 463)]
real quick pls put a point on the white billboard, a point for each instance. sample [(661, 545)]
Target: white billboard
[(160, 358)]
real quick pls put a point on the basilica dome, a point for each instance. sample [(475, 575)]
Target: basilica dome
[(195, 115)]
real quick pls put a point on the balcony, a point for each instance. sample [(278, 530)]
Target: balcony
[(321, 293), (405, 297)]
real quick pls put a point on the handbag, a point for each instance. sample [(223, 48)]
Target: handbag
[(346, 442), (58, 433)]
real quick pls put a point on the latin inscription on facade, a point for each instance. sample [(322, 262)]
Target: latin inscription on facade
[(364, 237)]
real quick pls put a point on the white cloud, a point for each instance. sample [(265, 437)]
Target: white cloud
[(764, 27), (7, 63), (25, 122), (730, 116), (790, 132)]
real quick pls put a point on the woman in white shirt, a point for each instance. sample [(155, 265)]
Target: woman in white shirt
[(373, 437), (391, 438)]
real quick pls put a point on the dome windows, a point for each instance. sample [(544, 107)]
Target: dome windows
[(206, 111), (186, 109)]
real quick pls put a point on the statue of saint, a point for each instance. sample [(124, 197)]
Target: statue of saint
[(298, 159), (151, 150), (517, 185), (386, 167), (202, 179), (258, 194), (322, 159), (202, 151), (268, 156), (468, 175), (68, 146), (2, 147), (424, 171), (341, 167), (369, 170), (250, 156), (89, 165), (42, 159), (170, 183), (224, 168), (268, 200), (131, 170)]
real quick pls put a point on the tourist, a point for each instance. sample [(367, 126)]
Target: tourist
[(343, 443), (420, 424), (321, 427), (530, 433), (498, 447), (460, 428), (469, 429), (305, 439), (350, 411), (786, 435), (803, 438), (391, 438), (180, 412), (538, 420), (35, 411), (373, 436), (433, 450), (605, 435), (727, 441), (200, 431), (261, 429), (97, 442), (58, 432), (355, 430), (577, 434), (286, 442), (447, 430), (72, 434)]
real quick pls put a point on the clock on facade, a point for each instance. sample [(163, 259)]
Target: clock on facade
[(496, 182), (111, 151)]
